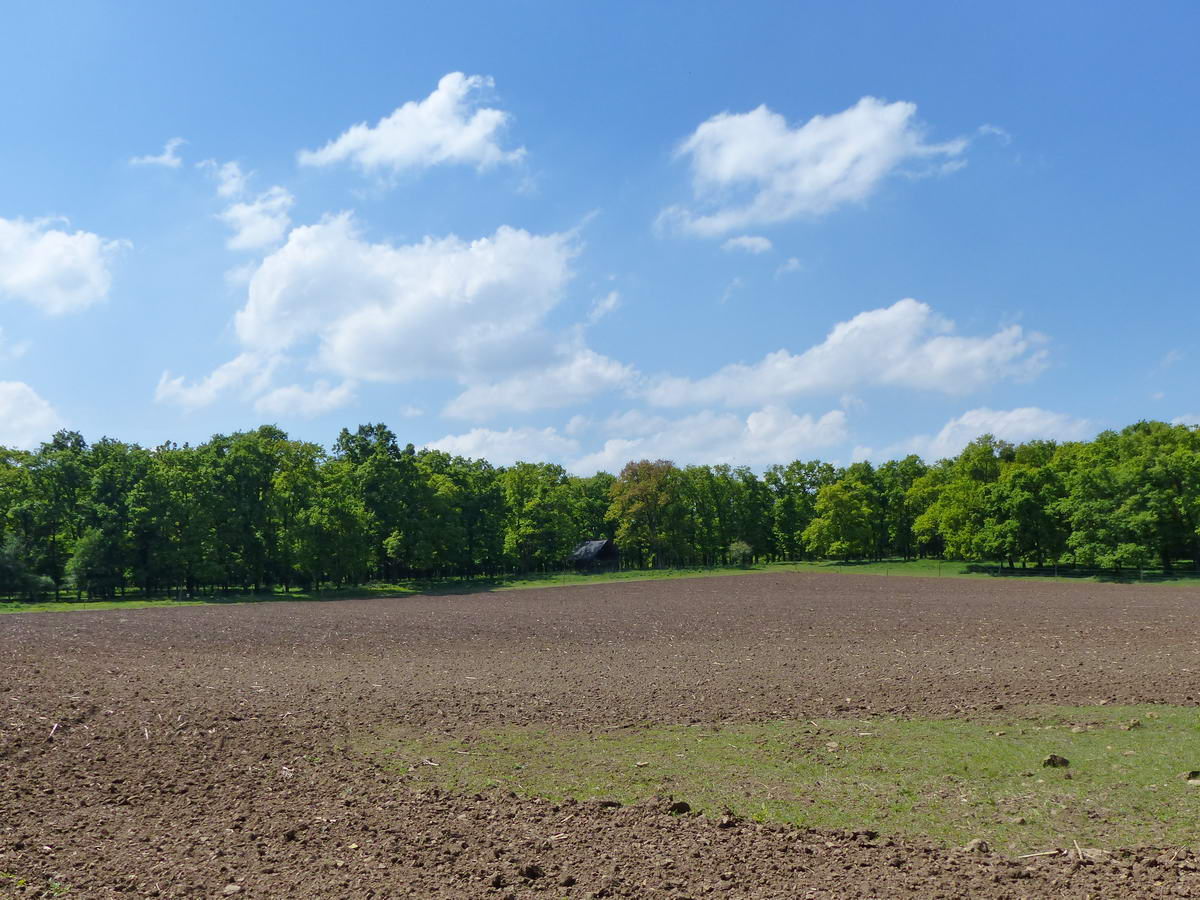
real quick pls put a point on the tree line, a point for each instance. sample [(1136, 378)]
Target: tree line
[(255, 510)]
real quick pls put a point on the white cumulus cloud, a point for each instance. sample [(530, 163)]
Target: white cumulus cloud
[(578, 375), (25, 418), (249, 371), (442, 307), (752, 169), (168, 158), (1025, 423), (56, 270), (260, 222), (231, 180), (903, 345), (448, 126), (468, 311), (748, 243)]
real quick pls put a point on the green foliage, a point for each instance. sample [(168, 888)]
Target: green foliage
[(16, 575), (740, 553), (539, 528), (843, 527), (649, 512), (256, 510)]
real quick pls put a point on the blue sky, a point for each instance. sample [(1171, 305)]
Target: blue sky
[(741, 233)]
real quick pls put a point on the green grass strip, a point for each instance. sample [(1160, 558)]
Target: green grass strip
[(925, 568), (947, 780)]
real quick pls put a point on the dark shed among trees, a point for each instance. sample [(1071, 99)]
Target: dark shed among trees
[(591, 555)]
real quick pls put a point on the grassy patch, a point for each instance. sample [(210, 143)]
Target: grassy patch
[(67, 606), (949, 780), (411, 588)]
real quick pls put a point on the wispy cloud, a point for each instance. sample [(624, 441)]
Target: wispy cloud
[(603, 306), (748, 243), (791, 265), (168, 158)]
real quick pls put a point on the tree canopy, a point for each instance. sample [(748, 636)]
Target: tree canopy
[(258, 509)]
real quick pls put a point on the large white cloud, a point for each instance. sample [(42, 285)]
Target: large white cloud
[(25, 418), (469, 311), (58, 271), (444, 307), (448, 126), (903, 345), (752, 169), (1025, 423)]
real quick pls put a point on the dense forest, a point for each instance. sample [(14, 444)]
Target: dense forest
[(255, 510)]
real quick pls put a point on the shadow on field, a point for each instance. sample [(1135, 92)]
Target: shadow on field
[(1071, 573), (432, 587)]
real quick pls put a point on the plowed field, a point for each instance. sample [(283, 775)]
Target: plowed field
[(218, 751)]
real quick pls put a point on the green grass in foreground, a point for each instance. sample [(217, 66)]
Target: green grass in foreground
[(948, 780), (925, 568)]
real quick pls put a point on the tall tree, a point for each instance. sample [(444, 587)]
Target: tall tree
[(646, 509), (844, 524)]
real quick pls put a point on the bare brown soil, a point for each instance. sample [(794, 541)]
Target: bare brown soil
[(208, 751)]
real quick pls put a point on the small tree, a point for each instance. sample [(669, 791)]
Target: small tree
[(16, 577), (740, 552), (94, 566)]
